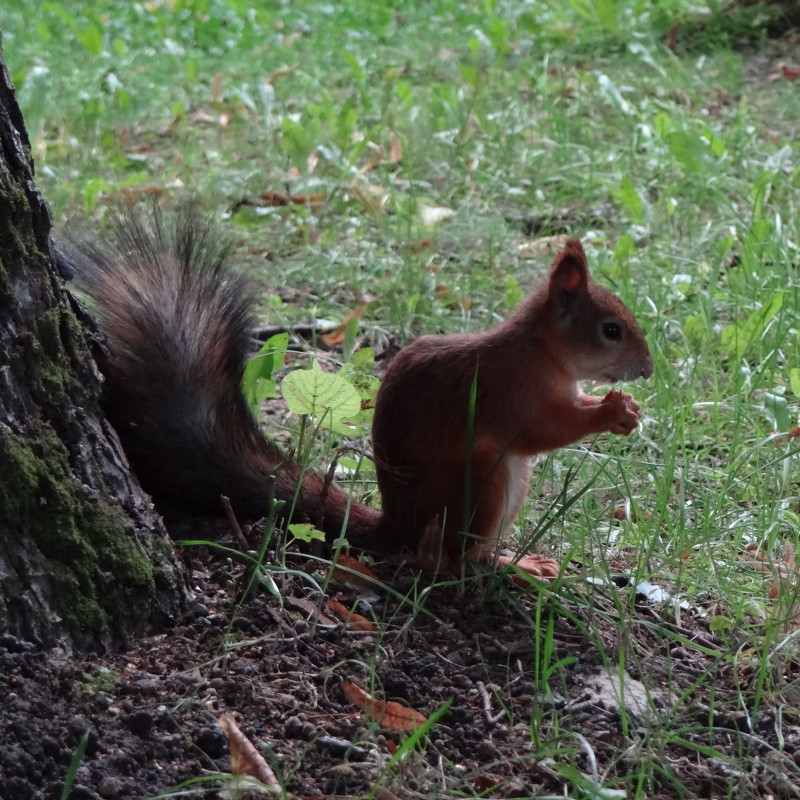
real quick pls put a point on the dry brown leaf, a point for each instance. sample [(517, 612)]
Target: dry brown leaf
[(384, 794), (336, 336), (373, 198), (310, 608), (355, 622), (351, 570), (545, 245), (314, 200), (281, 72), (486, 781), (790, 73), (275, 198), (389, 715), (245, 758), (418, 247), (624, 513), (375, 158)]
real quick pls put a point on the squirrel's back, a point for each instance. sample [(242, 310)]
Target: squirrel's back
[(178, 321)]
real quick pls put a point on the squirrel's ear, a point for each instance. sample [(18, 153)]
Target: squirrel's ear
[(569, 272)]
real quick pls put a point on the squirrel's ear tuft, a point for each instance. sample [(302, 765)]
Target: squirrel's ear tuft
[(569, 272)]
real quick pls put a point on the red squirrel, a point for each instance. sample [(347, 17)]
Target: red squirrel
[(453, 480), (178, 319)]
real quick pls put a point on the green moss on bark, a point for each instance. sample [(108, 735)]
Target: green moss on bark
[(93, 555)]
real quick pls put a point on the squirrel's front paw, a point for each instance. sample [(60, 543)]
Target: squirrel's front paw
[(623, 412)]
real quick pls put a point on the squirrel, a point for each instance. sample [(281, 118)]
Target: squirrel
[(457, 421), (459, 417)]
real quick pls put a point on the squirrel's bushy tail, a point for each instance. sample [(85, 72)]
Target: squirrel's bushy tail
[(178, 322)]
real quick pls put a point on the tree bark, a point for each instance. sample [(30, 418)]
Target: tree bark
[(85, 561)]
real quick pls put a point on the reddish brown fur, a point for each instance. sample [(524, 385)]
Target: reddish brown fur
[(528, 402)]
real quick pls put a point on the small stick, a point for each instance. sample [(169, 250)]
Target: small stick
[(492, 719), (234, 523)]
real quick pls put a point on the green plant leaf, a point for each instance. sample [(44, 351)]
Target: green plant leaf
[(363, 360), (794, 381), (513, 294), (630, 198), (777, 407), (663, 124), (695, 330), (469, 74), (720, 622), (738, 337), (258, 381), (297, 140), (91, 39), (328, 398), (305, 532), (690, 150), (623, 251)]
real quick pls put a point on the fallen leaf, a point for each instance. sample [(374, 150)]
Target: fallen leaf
[(355, 622), (311, 609), (336, 336), (790, 73), (624, 513), (245, 758), (384, 794), (281, 72), (375, 158), (313, 200), (432, 215), (389, 715), (543, 245), (349, 571), (485, 781), (275, 198), (418, 247), (373, 198)]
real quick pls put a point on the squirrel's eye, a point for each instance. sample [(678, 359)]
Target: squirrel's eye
[(612, 330)]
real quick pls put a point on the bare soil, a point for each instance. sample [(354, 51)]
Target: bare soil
[(277, 662)]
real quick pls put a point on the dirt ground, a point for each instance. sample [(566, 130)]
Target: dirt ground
[(278, 663)]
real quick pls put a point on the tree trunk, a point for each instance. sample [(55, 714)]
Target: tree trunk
[(84, 560)]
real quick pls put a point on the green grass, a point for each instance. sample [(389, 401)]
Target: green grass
[(679, 165)]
